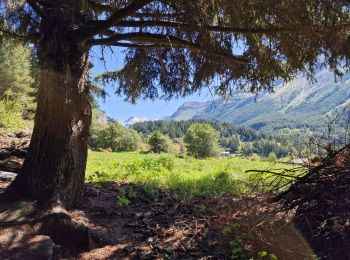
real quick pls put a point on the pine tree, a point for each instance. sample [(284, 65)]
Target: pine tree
[(173, 48)]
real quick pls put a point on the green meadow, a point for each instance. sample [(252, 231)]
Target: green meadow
[(186, 177)]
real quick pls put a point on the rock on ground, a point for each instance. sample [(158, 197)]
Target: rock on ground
[(7, 176)]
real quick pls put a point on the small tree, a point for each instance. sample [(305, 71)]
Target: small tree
[(129, 141), (272, 157), (159, 143), (202, 140)]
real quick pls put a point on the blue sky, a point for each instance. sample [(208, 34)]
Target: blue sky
[(118, 109)]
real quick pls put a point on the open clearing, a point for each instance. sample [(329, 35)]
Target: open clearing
[(186, 177)]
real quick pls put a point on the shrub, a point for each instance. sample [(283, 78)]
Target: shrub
[(272, 157), (159, 143), (114, 136), (202, 140), (11, 115)]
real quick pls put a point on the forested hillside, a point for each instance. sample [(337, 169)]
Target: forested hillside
[(236, 139), (302, 103)]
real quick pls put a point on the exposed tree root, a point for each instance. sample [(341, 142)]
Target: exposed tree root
[(65, 231), (54, 222)]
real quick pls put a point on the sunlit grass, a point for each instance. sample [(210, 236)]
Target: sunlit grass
[(186, 176)]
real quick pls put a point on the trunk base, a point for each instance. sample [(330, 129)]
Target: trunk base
[(54, 222)]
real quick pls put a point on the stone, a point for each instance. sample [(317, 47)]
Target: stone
[(4, 153), (21, 134), (7, 176), (25, 143), (11, 164), (21, 153)]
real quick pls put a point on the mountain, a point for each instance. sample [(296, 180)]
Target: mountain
[(189, 110), (99, 116), (297, 104), (133, 120)]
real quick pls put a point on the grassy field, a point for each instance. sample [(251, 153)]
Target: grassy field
[(186, 177)]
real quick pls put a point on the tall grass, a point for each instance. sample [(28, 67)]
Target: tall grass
[(186, 177), (11, 116)]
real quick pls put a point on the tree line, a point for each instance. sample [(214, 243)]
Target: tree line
[(176, 137), (236, 139)]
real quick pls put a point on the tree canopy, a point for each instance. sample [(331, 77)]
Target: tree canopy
[(173, 48)]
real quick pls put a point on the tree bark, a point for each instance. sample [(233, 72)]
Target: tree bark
[(54, 168)]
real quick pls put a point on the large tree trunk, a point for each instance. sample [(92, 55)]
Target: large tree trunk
[(55, 165)]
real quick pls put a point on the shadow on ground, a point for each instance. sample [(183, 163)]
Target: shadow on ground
[(142, 222)]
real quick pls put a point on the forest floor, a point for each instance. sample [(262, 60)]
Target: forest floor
[(159, 226)]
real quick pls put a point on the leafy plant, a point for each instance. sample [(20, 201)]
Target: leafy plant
[(150, 189), (168, 252), (123, 201), (159, 143), (187, 177), (262, 254), (229, 228), (237, 252)]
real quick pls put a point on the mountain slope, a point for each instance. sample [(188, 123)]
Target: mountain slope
[(297, 104), (133, 120)]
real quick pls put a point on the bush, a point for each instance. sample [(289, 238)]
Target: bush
[(202, 140), (115, 137), (272, 157), (11, 115), (159, 143)]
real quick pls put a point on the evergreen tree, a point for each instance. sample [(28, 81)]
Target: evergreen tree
[(234, 143), (17, 76), (15, 71)]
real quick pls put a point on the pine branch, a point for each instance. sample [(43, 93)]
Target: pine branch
[(139, 46), (100, 7), (198, 27), (170, 41), (25, 38), (102, 25)]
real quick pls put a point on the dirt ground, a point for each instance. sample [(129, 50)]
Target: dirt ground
[(141, 224)]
